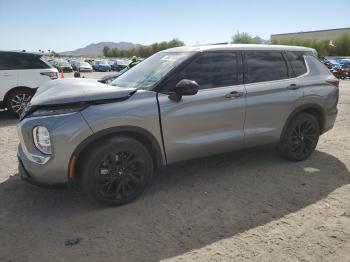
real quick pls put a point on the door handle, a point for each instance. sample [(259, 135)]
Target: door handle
[(234, 94), (293, 87)]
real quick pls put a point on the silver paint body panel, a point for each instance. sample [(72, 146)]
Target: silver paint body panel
[(204, 124)]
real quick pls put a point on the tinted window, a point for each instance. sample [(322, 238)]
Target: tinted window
[(265, 66), (30, 62), (210, 70), (17, 61), (7, 62), (297, 62)]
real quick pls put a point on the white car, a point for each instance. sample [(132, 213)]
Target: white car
[(21, 74), (84, 67)]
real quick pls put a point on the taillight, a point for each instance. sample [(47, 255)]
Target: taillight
[(334, 82), (52, 75)]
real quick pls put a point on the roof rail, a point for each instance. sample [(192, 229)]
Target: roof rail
[(223, 43)]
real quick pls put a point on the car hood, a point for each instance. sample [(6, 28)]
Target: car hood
[(67, 91)]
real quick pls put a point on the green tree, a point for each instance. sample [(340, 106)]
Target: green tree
[(245, 38), (142, 51), (339, 47)]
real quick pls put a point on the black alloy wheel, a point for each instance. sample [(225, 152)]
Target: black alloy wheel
[(301, 137), (117, 171)]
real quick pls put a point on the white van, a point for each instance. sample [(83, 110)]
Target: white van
[(21, 74)]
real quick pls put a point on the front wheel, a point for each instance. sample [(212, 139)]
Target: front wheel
[(300, 138), (117, 171), (17, 100)]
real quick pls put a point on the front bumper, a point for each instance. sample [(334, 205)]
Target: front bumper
[(24, 174), (103, 69), (67, 131), (81, 69)]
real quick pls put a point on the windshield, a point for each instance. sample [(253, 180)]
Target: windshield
[(149, 72)]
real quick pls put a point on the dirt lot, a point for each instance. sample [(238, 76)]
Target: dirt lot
[(244, 206)]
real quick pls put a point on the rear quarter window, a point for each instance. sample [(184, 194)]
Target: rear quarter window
[(30, 62), (297, 62)]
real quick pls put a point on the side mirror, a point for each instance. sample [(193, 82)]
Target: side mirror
[(184, 87)]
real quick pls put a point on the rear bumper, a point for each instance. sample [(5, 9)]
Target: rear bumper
[(330, 120)]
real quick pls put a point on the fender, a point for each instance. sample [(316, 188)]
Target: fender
[(305, 108), (142, 135)]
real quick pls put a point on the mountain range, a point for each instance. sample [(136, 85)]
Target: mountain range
[(96, 49)]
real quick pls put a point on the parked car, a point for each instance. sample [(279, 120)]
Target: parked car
[(111, 77), (119, 65), (178, 104), (20, 75), (74, 64), (65, 66), (326, 62), (90, 61), (101, 65), (83, 67)]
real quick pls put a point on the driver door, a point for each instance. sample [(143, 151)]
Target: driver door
[(211, 121)]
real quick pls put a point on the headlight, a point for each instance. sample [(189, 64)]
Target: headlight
[(42, 139), (57, 110)]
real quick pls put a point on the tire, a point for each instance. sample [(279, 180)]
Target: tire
[(117, 171), (300, 138), (17, 100)]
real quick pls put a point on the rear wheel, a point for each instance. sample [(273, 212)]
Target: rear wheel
[(117, 171), (17, 100), (300, 138)]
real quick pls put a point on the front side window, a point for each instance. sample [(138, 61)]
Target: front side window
[(210, 70), (297, 62), (262, 66), (152, 70)]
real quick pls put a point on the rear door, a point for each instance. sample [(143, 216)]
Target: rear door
[(211, 121), (8, 74), (273, 91)]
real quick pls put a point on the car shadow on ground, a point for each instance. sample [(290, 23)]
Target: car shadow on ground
[(7, 119), (188, 206)]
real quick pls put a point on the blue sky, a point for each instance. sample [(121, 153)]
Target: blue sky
[(63, 25)]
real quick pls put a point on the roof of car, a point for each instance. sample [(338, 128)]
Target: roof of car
[(21, 53), (202, 48)]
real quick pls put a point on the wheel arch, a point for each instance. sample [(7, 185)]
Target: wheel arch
[(15, 89), (140, 134), (314, 109)]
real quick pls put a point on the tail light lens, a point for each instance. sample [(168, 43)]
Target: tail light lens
[(334, 82), (52, 75)]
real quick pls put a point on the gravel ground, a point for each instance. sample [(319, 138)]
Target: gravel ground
[(243, 206)]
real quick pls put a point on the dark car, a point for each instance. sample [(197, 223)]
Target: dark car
[(110, 77), (119, 65), (65, 66)]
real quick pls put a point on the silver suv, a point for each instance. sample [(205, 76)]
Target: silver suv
[(180, 103)]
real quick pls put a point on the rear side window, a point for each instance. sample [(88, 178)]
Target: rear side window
[(297, 62), (262, 66), (17, 61), (210, 70)]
